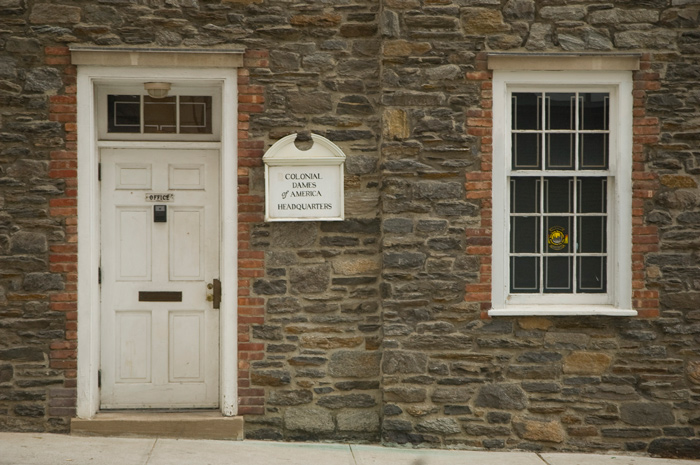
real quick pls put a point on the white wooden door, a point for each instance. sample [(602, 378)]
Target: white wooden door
[(159, 348)]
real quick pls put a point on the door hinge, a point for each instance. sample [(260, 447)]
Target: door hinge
[(99, 171), (99, 378)]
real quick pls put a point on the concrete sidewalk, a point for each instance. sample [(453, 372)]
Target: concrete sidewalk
[(53, 449)]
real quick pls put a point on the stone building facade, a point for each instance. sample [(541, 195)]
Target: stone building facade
[(377, 328)]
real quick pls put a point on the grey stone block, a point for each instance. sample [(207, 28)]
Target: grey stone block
[(363, 421), (354, 364), (647, 414), (309, 419), (502, 397)]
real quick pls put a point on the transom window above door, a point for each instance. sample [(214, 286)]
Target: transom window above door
[(129, 113), (142, 114)]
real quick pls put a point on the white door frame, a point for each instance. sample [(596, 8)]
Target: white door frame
[(88, 400)]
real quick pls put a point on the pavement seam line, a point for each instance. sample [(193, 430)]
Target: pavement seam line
[(352, 454), (542, 458), (150, 453)]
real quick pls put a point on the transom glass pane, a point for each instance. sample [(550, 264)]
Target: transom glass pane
[(159, 115), (124, 113), (195, 115), (179, 114)]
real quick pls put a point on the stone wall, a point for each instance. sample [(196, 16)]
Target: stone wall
[(452, 377), (374, 328)]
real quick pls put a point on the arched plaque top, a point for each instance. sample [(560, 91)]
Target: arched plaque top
[(323, 151)]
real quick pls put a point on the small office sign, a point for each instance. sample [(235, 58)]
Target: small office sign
[(304, 185)]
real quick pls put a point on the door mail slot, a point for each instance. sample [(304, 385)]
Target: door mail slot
[(160, 296)]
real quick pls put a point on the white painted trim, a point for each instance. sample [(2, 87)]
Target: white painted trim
[(158, 144), (561, 310), (619, 301), (89, 235), (528, 61), (88, 400), (227, 57), (228, 357)]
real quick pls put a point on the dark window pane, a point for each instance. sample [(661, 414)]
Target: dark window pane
[(124, 113), (524, 274), (195, 115), (594, 108), (557, 275), (159, 115), (560, 110), (592, 274), (526, 151), (524, 234), (524, 195), (558, 197), (557, 234), (594, 151), (592, 234), (560, 151), (592, 194), (526, 111)]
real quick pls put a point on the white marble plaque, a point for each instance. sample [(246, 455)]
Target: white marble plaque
[(304, 191), (304, 185)]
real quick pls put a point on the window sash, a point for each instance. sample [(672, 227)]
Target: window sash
[(574, 250)]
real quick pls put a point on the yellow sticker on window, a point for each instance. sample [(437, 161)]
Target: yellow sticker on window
[(558, 239)]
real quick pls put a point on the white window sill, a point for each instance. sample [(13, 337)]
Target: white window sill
[(561, 310)]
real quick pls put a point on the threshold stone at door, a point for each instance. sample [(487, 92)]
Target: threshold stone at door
[(184, 425)]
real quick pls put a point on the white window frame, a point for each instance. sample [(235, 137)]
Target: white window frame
[(618, 299)]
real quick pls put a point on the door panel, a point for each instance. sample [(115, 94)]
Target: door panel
[(133, 337), (133, 243), (133, 176), (186, 347), (186, 244), (159, 354)]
